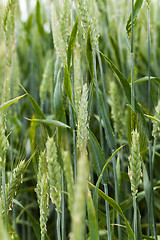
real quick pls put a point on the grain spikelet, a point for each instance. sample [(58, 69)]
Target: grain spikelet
[(82, 128), (57, 35), (156, 125), (135, 162), (54, 173), (12, 186), (68, 172), (42, 191), (9, 21), (117, 110), (65, 20), (46, 81)]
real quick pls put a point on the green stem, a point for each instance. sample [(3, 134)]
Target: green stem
[(153, 227), (58, 226), (98, 100), (117, 197), (102, 78), (152, 215), (4, 196), (132, 62), (102, 143), (135, 217), (63, 211), (149, 80), (107, 213)]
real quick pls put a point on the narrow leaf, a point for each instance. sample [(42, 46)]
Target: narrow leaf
[(107, 125), (37, 109), (39, 18), (127, 90), (93, 225), (34, 223), (95, 197), (144, 79), (72, 43), (136, 9), (89, 53), (153, 118), (49, 122), (67, 86), (10, 102), (117, 208), (97, 155)]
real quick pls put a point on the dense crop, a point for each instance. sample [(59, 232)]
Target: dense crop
[(80, 120)]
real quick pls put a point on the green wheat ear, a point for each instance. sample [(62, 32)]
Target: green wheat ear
[(68, 172), (46, 81), (156, 125), (54, 173), (9, 21), (82, 128), (87, 18), (135, 162), (65, 22), (3, 143), (42, 191), (79, 205), (59, 43), (116, 109), (12, 186)]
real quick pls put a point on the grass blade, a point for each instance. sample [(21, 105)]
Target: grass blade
[(152, 118), (127, 90), (52, 123), (10, 102), (136, 9), (67, 86), (93, 226), (118, 209), (89, 53), (97, 155), (72, 43), (107, 125), (37, 109), (145, 79)]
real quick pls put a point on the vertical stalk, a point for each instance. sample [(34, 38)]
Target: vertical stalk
[(102, 143), (132, 62), (63, 212), (102, 78), (58, 226), (133, 107), (72, 113), (98, 101), (117, 197), (4, 196), (107, 213), (135, 217), (153, 227)]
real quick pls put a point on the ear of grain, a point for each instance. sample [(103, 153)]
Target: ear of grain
[(59, 42), (82, 128), (156, 125), (42, 191), (54, 173), (135, 161), (68, 172), (79, 206)]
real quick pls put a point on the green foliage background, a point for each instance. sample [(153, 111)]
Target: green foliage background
[(61, 49)]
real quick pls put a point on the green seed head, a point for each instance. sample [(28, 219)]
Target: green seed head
[(82, 128), (135, 161), (156, 125), (54, 173)]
